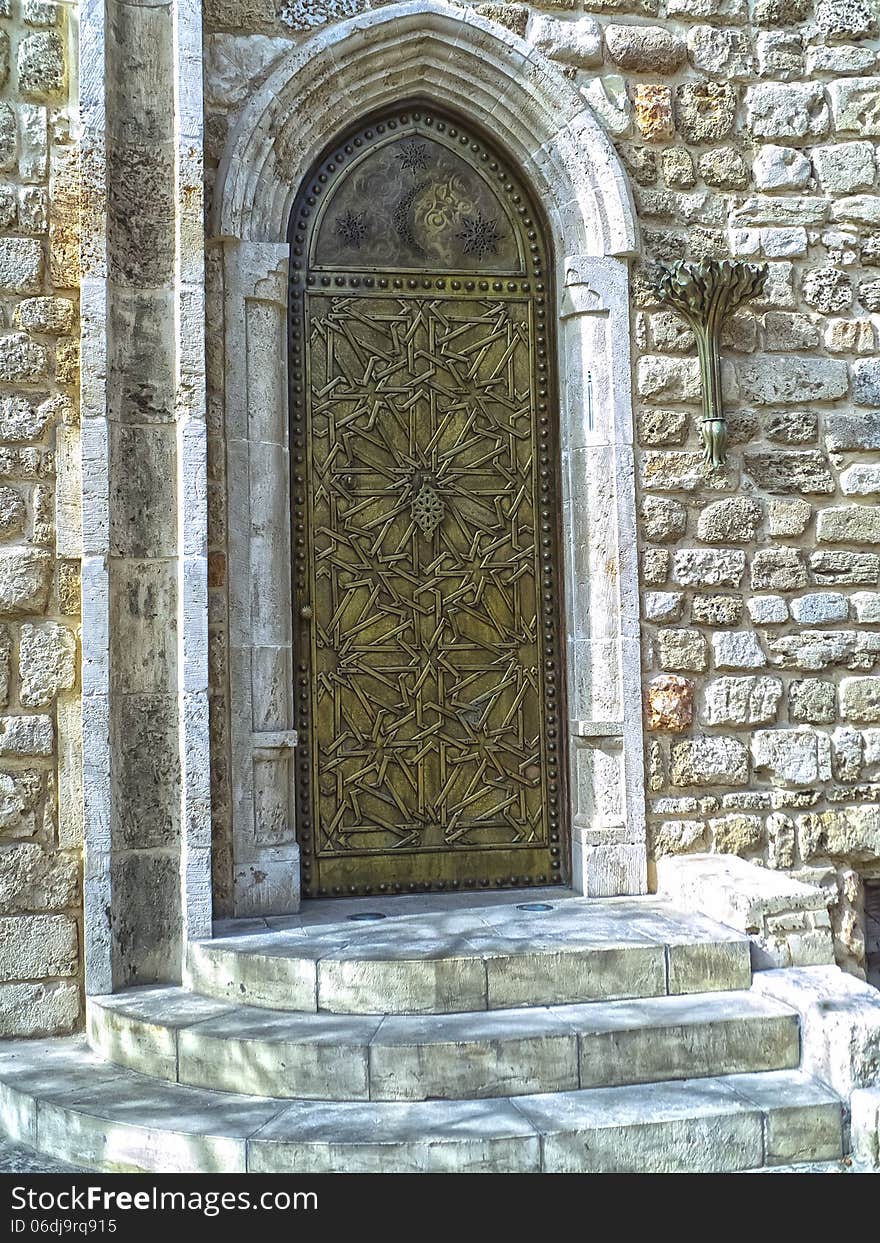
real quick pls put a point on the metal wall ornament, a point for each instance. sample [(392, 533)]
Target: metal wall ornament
[(706, 294)]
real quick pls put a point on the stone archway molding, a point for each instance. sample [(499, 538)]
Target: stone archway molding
[(497, 81)]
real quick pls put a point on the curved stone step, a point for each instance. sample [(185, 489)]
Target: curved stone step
[(62, 1100), (185, 1038), (474, 959)]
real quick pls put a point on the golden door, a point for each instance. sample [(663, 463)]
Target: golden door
[(425, 508)]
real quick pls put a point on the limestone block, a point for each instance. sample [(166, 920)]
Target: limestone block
[(807, 471), (851, 832), (574, 43), (767, 610), (682, 472), (49, 315), (736, 834), (676, 837), (655, 565), (307, 14), (20, 796), (849, 524), (731, 520), (670, 379), (40, 60), (859, 430), (33, 946), (780, 55), (792, 427), (733, 12), (709, 761), (716, 610), (827, 289), (26, 736), (44, 1009), (733, 891), (669, 703), (47, 656), (846, 19), (607, 96), (813, 701), (708, 567), (798, 757), (866, 382), (22, 360), (766, 380), (662, 519), (855, 106), (781, 841), (839, 60), (652, 109), (780, 569), (25, 576), (845, 167), (514, 16), (705, 111), (840, 1023), (780, 168), (845, 567), (866, 605), (720, 53), (788, 517), (12, 512), (644, 49), (21, 264), (32, 879), (792, 110), (21, 420), (860, 699), (682, 649), (820, 607), (235, 65), (663, 605), (791, 211), (737, 649)]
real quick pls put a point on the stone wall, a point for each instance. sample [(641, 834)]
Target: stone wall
[(40, 815), (748, 131)]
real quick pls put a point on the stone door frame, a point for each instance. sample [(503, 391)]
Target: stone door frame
[(500, 83)]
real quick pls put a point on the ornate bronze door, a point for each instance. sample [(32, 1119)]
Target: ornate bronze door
[(427, 589)]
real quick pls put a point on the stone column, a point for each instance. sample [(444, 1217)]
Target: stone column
[(145, 710)]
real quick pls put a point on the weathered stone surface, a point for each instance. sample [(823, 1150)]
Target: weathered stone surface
[(669, 702), (820, 607), (769, 381), (716, 760), (780, 168), (793, 110), (48, 663), (737, 649), (818, 649), (670, 379), (677, 837), (720, 53), (514, 16), (705, 111), (855, 105), (866, 382), (644, 49), (742, 701), (807, 471), (798, 757), (21, 264), (705, 567), (724, 168), (860, 699), (12, 512), (788, 517), (859, 430), (25, 576), (20, 795), (307, 14), (846, 19), (26, 736), (46, 1009), (716, 610), (663, 519), (574, 43), (827, 289), (662, 427), (663, 606), (652, 109), (722, 11), (49, 315), (736, 834), (655, 565), (866, 606), (35, 946), (767, 610), (780, 569), (848, 832), (22, 360), (31, 879), (845, 167), (845, 567), (792, 427), (780, 841), (732, 520), (780, 55), (40, 59), (849, 524), (682, 472), (682, 649)]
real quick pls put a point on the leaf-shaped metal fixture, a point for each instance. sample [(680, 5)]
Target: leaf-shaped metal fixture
[(706, 294)]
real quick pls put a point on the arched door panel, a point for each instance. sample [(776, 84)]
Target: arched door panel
[(429, 677)]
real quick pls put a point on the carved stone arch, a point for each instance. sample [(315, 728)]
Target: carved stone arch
[(498, 83)]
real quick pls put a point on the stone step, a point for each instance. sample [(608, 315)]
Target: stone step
[(61, 1099), (181, 1037), (467, 959)]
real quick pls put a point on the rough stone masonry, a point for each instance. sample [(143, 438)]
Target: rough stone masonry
[(750, 129)]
